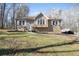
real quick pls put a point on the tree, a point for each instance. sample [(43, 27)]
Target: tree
[(7, 10), (13, 17), (22, 11), (70, 19), (2, 13)]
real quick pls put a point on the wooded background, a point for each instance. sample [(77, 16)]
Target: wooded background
[(9, 12)]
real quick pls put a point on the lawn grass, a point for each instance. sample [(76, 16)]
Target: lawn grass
[(31, 44)]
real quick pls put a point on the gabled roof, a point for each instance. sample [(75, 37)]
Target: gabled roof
[(41, 14), (38, 15), (47, 17), (28, 18)]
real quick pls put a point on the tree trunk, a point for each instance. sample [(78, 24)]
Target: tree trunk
[(13, 18), (2, 14)]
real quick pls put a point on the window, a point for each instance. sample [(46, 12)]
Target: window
[(23, 22), (41, 21), (19, 22), (55, 23), (38, 21)]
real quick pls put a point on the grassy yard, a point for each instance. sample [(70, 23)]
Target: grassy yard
[(35, 44)]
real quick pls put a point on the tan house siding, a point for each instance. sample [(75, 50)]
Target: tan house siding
[(41, 29), (50, 27)]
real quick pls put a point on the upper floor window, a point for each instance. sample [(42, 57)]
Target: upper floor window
[(23, 22), (55, 23), (38, 21), (41, 21), (19, 22)]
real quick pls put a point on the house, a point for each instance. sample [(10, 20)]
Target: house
[(40, 23)]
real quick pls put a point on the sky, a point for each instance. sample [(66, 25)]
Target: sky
[(36, 8)]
